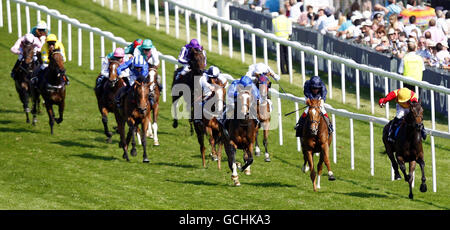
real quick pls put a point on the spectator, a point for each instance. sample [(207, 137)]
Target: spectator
[(287, 7), (402, 44), (367, 6), (330, 24), (379, 17), (431, 45), (273, 5), (321, 17), (410, 4), (440, 22), (307, 18), (392, 8), (256, 4), (379, 33), (344, 26), (296, 11), (412, 26), (354, 31), (383, 46), (412, 65), (447, 21), (282, 27), (423, 51), (437, 35), (442, 54)]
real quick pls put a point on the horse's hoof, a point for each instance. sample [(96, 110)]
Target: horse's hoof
[(28, 120), (58, 120), (214, 157), (133, 152), (411, 196), (108, 140), (257, 151), (331, 178), (175, 124), (236, 181), (267, 157), (109, 134), (423, 187), (156, 143), (247, 172), (397, 177), (305, 168), (124, 156), (146, 160)]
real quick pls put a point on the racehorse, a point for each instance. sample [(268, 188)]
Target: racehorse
[(316, 138), (263, 115), (105, 94), (52, 88), (242, 134), (135, 110), (210, 125), (407, 146), (197, 64), (23, 75), (154, 94)]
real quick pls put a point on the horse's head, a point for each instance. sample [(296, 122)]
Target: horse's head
[(314, 115), (415, 115), (263, 84), (28, 53), (141, 91), (56, 63), (197, 61), (113, 76), (244, 102)]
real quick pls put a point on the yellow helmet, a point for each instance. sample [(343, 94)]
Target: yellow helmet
[(51, 38), (403, 95)]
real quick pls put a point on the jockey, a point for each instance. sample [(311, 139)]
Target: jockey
[(314, 88), (130, 48), (183, 57), (50, 42), (255, 70), (151, 55), (40, 31), (138, 69), (232, 94), (118, 55), (404, 97), (17, 49)]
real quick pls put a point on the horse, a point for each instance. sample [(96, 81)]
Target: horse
[(242, 134), (209, 124), (407, 146), (135, 110), (154, 95), (105, 94), (316, 139), (263, 110), (23, 74), (52, 88), (197, 64)]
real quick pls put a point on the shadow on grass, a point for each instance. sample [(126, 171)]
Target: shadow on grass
[(11, 111), (196, 182), (176, 165), (16, 130), (364, 195), (271, 184), (66, 143), (5, 122), (95, 157)]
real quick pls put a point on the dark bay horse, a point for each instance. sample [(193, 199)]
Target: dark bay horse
[(209, 124), (23, 75), (52, 88), (154, 95), (135, 110), (242, 131), (184, 83), (263, 115), (407, 146), (105, 94), (316, 139)]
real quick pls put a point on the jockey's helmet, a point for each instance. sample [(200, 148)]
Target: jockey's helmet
[(404, 95), (213, 71), (147, 44), (194, 44), (261, 68), (119, 52), (51, 38), (137, 42), (29, 38), (245, 81), (139, 61), (41, 25), (316, 82)]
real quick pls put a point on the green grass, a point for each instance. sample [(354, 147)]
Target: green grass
[(76, 169)]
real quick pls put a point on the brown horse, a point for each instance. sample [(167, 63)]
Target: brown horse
[(209, 124), (52, 88), (183, 86), (263, 115), (154, 106), (135, 111), (105, 94), (407, 146), (242, 132), (316, 139), (23, 74)]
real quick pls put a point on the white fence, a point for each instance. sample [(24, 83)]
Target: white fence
[(120, 41)]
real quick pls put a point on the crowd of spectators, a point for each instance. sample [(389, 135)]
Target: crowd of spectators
[(380, 27)]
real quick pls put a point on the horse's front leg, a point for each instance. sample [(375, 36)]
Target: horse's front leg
[(155, 125), (131, 131), (412, 167), (145, 127), (61, 112), (231, 153), (326, 159), (257, 149), (266, 142), (51, 116), (423, 186), (36, 101)]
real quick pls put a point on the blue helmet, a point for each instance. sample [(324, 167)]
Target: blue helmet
[(316, 82), (245, 81), (139, 61)]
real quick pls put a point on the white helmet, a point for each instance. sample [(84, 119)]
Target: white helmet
[(213, 71), (29, 38), (261, 68), (41, 25)]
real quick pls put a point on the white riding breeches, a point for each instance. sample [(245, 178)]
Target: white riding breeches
[(401, 112)]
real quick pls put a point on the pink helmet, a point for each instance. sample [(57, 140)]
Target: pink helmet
[(29, 38), (119, 52)]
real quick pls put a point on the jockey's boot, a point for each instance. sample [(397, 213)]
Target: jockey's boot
[(423, 133), (299, 126), (14, 70), (330, 125), (222, 122), (119, 95), (395, 123)]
